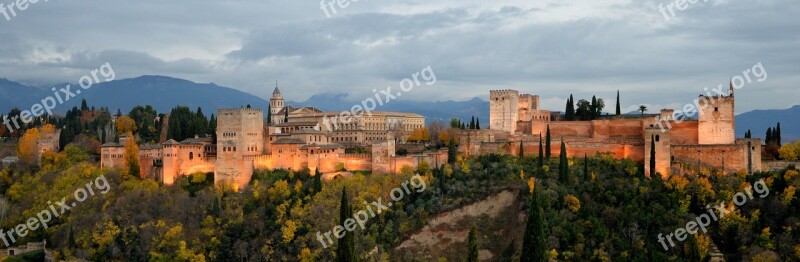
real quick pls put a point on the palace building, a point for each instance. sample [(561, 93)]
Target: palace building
[(306, 139)]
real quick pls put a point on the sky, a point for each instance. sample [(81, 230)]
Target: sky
[(551, 48)]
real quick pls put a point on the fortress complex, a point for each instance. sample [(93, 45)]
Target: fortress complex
[(307, 138), (708, 141)]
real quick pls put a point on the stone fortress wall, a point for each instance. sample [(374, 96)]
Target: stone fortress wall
[(708, 141)]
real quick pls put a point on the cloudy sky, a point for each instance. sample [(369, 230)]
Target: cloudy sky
[(550, 47)]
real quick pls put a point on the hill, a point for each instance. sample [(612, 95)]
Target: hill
[(759, 120), (162, 92)]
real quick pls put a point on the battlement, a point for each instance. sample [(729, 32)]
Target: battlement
[(239, 110), (503, 92)]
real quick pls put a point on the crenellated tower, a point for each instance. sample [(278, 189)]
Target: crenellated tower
[(503, 110)]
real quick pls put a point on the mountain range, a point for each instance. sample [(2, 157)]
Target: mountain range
[(164, 93)]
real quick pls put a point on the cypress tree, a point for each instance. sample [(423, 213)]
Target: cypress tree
[(317, 181), (451, 151), (541, 153), (652, 155), (215, 208), (619, 111), (547, 143), (563, 165), (346, 249), (508, 254), (269, 117), (472, 245), (521, 151), (286, 115), (769, 136), (566, 111), (571, 108), (693, 252), (586, 175), (472, 123), (533, 242), (477, 123), (778, 134), (593, 108)]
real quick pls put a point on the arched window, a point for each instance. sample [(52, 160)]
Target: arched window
[(191, 155)]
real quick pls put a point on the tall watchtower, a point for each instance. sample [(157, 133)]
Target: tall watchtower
[(503, 110), (716, 120), (240, 137)]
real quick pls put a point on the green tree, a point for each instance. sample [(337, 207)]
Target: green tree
[(541, 156), (269, 117), (346, 249), (477, 123), (619, 110), (215, 207), (286, 115), (586, 175), (533, 242), (547, 144), (452, 151), (472, 245), (317, 181), (521, 151), (508, 253), (652, 155), (563, 164)]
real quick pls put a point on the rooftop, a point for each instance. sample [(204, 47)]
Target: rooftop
[(288, 141)]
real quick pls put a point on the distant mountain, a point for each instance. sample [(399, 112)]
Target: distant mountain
[(15, 94), (164, 93), (759, 120), (161, 92), (439, 110)]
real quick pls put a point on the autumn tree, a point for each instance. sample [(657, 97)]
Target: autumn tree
[(125, 124), (419, 135), (27, 145), (131, 157)]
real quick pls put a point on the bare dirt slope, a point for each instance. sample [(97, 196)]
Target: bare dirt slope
[(498, 218)]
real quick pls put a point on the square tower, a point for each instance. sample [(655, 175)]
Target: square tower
[(716, 120), (503, 110), (240, 138)]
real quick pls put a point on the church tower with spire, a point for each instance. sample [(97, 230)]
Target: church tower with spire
[(276, 103)]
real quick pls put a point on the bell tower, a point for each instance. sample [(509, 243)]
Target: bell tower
[(276, 102)]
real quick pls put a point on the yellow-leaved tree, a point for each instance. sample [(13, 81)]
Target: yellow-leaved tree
[(131, 158), (419, 135), (27, 145), (125, 124)]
